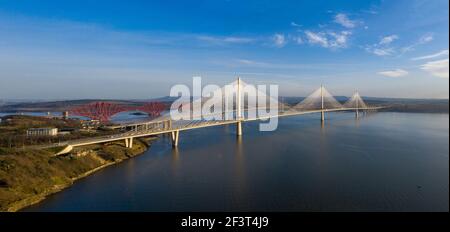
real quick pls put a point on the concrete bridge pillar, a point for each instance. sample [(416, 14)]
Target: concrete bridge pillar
[(322, 116), (357, 113), (130, 143), (239, 128), (175, 137)]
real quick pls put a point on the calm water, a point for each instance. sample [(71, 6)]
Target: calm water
[(382, 162), (122, 117)]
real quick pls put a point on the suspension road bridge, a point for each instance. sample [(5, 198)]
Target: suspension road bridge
[(319, 102)]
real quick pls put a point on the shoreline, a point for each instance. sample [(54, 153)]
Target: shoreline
[(35, 199)]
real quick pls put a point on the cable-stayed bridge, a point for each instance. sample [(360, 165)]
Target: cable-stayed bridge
[(235, 104)]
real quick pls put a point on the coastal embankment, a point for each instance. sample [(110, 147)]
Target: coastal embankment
[(28, 176)]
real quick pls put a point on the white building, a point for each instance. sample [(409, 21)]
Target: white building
[(42, 132)]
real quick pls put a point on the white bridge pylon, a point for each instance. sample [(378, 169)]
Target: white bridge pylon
[(319, 99), (355, 102), (234, 101)]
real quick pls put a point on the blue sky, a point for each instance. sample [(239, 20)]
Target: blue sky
[(139, 49)]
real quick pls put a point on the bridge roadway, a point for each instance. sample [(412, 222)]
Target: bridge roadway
[(174, 127)]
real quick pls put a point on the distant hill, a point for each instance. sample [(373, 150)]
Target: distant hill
[(56, 105), (395, 104)]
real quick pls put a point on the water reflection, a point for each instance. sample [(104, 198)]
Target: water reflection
[(337, 166), (357, 120), (322, 150), (175, 160)]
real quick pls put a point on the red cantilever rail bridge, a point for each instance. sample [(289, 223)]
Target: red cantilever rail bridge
[(103, 111)]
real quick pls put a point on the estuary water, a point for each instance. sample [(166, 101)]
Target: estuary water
[(380, 162)]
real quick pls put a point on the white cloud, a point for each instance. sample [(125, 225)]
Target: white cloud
[(294, 24), (422, 40), (340, 39), (394, 73), (317, 38), (425, 39), (237, 40), (225, 40), (388, 39), (382, 48), (249, 62), (381, 51), (343, 20), (435, 55), (299, 40), (371, 11), (437, 68), (328, 39), (279, 40)]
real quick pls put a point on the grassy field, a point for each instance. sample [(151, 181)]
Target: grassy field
[(28, 176)]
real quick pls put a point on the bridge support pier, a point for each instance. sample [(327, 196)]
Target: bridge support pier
[(239, 128), (357, 113), (175, 137), (129, 142), (322, 116)]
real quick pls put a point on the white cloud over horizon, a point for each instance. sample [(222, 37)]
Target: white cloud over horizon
[(394, 73), (438, 68)]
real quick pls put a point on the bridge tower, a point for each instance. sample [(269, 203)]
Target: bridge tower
[(357, 105), (223, 105), (322, 117), (238, 110)]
